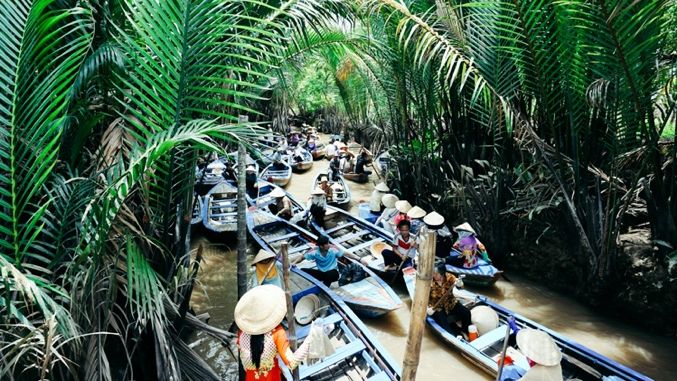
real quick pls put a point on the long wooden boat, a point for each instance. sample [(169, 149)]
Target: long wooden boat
[(341, 194), (484, 274), (219, 208), (383, 162), (211, 175), (280, 176), (357, 236), (305, 164), (319, 151), (358, 355), (370, 297), (578, 362), (264, 200)]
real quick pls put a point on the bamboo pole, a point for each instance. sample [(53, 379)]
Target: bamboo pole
[(241, 223), (419, 306), (291, 323)]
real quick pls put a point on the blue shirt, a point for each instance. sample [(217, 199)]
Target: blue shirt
[(325, 262)]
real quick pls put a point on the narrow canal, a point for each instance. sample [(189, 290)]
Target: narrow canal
[(646, 352)]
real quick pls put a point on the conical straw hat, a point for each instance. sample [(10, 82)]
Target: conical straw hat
[(262, 255), (416, 212), (261, 309), (305, 309), (402, 206), (317, 192), (382, 187), (389, 200), (377, 248), (539, 347), (484, 318), (434, 219), (250, 168), (465, 227)]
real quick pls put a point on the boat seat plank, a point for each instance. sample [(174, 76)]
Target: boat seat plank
[(299, 248), (212, 215), (489, 338), (341, 353), (283, 237), (363, 245), (340, 227), (303, 331), (348, 237)]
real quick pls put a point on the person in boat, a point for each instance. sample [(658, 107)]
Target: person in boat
[(469, 248), (331, 150), (402, 206), (278, 165), (326, 260), (443, 306), (298, 154), (261, 337), (404, 249), (346, 160), (542, 354), (266, 270), (362, 160), (251, 182), (389, 212), (294, 139), (335, 168), (317, 206), (311, 144), (324, 185), (282, 207), (415, 216), (376, 196), (229, 172)]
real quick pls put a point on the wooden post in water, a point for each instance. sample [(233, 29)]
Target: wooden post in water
[(419, 306), (291, 323), (241, 223)]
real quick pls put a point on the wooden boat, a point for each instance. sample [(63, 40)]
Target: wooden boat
[(280, 176), (264, 200), (306, 160), (210, 176), (219, 208), (341, 190), (383, 162), (484, 274), (578, 362), (358, 355), (370, 297), (357, 237), (360, 178), (232, 157)]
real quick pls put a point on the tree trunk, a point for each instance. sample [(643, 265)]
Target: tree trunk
[(241, 223)]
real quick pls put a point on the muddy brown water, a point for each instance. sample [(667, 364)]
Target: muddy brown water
[(639, 349)]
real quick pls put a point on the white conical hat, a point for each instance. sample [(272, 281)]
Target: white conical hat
[(317, 192), (305, 309), (277, 192), (433, 219), (402, 206), (484, 318), (389, 200), (416, 212), (262, 255), (538, 346), (382, 187), (465, 227), (250, 168), (261, 309)]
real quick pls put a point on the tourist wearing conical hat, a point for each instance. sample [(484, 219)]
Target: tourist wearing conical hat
[(416, 215), (261, 338), (402, 206), (266, 270), (282, 207), (251, 182), (469, 247), (375, 200), (445, 242), (389, 212), (317, 205), (543, 355)]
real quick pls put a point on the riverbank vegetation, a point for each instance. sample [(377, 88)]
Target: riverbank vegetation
[(545, 124)]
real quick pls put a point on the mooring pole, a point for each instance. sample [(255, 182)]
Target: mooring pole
[(419, 305), (291, 323), (241, 223)]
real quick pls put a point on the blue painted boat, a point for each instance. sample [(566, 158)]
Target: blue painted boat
[(578, 362), (219, 208), (341, 194), (484, 274), (279, 176), (264, 200), (358, 237), (304, 164), (196, 215), (358, 356), (369, 297)]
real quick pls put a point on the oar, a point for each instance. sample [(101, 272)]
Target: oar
[(505, 348), (399, 268)]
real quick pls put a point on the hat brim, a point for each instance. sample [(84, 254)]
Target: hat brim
[(465, 227), (262, 255), (484, 318), (260, 309), (539, 347), (381, 187), (304, 312)]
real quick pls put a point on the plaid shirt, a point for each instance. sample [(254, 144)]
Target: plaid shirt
[(439, 291)]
